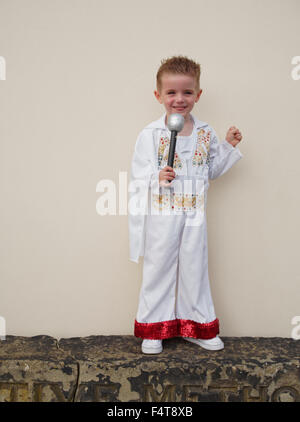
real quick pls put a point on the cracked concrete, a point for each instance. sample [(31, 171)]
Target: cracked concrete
[(112, 368)]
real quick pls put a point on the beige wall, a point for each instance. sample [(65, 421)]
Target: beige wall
[(79, 87)]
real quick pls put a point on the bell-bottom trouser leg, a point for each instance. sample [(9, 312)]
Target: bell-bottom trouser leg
[(175, 297)]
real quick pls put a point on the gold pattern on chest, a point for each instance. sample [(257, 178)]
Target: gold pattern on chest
[(163, 153), (200, 157)]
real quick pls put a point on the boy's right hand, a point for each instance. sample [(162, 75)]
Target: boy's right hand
[(167, 173)]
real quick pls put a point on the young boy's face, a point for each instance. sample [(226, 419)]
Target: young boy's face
[(178, 93)]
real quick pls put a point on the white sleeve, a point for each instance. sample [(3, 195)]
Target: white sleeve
[(222, 156), (143, 171)]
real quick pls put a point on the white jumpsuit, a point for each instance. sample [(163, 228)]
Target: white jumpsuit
[(170, 230)]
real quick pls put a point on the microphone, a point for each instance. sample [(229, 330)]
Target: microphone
[(175, 125)]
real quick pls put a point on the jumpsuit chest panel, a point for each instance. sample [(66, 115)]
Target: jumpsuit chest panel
[(199, 157), (187, 191)]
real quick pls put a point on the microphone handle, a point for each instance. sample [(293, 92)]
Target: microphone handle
[(172, 148)]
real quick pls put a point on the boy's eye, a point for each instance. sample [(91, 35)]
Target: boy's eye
[(187, 92)]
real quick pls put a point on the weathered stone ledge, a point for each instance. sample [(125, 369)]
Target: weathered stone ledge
[(113, 368)]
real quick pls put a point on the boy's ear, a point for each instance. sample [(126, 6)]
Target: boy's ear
[(157, 96), (198, 95)]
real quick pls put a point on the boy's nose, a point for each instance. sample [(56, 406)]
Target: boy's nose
[(179, 99)]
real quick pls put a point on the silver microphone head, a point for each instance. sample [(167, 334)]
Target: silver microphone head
[(175, 122)]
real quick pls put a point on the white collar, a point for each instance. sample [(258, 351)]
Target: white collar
[(160, 123)]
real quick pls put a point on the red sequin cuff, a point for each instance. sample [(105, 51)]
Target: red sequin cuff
[(176, 328)]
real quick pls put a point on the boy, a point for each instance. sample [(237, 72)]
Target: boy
[(175, 297)]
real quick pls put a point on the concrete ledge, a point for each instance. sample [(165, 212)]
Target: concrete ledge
[(113, 368)]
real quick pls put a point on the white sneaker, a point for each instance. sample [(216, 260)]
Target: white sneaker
[(212, 344), (152, 346)]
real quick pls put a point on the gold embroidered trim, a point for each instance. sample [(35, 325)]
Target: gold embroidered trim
[(201, 155), (163, 153), (178, 201)]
